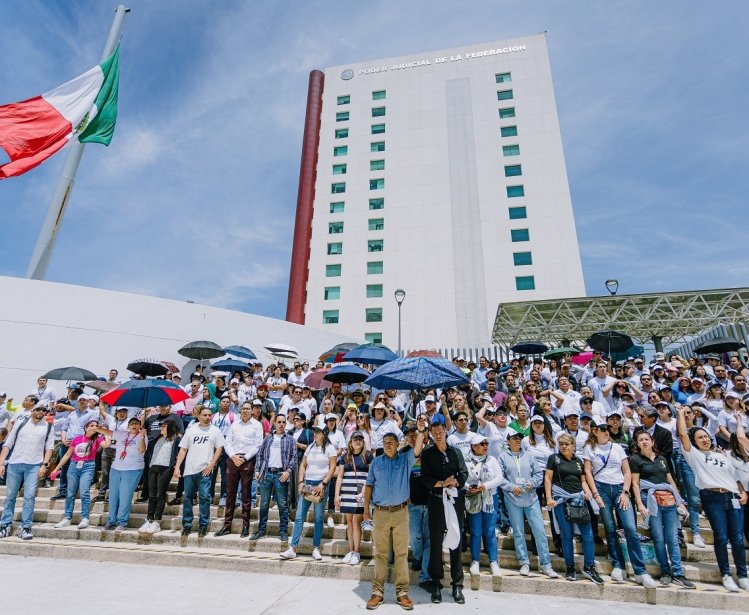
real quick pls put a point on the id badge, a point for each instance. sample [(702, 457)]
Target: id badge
[(79, 465), (736, 503), (123, 454)]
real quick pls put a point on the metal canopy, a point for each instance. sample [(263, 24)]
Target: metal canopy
[(670, 316)]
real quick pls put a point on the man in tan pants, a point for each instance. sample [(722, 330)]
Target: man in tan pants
[(388, 489)]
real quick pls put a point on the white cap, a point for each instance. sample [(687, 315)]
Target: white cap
[(478, 439), (512, 433), (330, 416), (429, 398)]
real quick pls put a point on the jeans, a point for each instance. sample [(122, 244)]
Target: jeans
[(272, 483), (17, 474), (518, 514), (220, 467), (61, 450), (727, 524), (484, 525), (196, 483), (565, 532), (301, 514), (685, 475), (122, 486), (503, 519), (664, 530), (610, 496), (418, 525), (158, 484), (80, 477)]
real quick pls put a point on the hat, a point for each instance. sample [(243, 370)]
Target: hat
[(661, 403), (358, 392), (330, 417), (478, 439), (649, 411), (263, 387), (639, 360), (614, 413), (429, 398), (700, 380), (586, 400), (358, 435), (655, 367), (537, 418), (659, 356), (93, 396), (713, 355), (257, 402), (714, 383), (699, 402), (380, 405), (83, 396), (352, 407), (586, 415), (232, 381), (120, 409), (511, 433), (318, 428), (733, 394), (671, 368), (438, 419), (572, 412)]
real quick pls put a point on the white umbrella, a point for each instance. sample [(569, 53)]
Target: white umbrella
[(282, 350)]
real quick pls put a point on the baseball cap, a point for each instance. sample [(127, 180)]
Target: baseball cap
[(712, 355), (586, 415), (586, 400), (661, 403), (478, 439), (571, 413), (438, 419), (537, 418), (511, 433), (429, 398), (358, 435), (263, 387), (330, 417), (257, 402), (733, 394), (649, 411)]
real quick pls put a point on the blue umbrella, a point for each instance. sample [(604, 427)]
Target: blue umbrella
[(241, 351), (371, 354), (416, 373), (346, 374), (145, 393), (229, 365)]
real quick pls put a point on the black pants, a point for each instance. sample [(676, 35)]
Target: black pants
[(437, 529), (158, 483), (106, 463), (331, 494)]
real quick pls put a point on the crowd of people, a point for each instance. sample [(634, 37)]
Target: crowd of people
[(455, 468)]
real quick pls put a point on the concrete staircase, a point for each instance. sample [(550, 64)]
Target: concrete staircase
[(231, 552)]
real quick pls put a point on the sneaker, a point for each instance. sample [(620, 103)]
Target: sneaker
[(666, 579), (222, 502), (646, 581), (186, 532), (355, 559), (592, 574), (474, 569), (618, 575), (729, 584), (64, 522), (744, 584), (494, 566), (549, 572), (698, 541), (83, 524), (5, 531), (175, 501), (571, 575), (525, 570), (290, 553), (347, 558), (257, 535), (682, 581), (366, 525), (154, 528), (316, 554), (109, 527), (331, 521), (143, 529), (59, 496), (27, 535), (202, 531), (119, 528)]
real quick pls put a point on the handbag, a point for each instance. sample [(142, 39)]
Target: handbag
[(309, 495), (664, 498), (576, 511), (473, 503)]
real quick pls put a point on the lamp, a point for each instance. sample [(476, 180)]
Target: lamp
[(400, 296), (612, 286)]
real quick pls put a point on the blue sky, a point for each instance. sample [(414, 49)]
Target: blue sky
[(195, 198)]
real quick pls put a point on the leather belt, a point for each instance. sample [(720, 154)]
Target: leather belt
[(275, 469), (721, 490), (392, 508)]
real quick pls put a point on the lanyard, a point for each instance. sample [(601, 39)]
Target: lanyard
[(128, 440)]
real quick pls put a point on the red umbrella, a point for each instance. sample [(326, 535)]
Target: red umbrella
[(145, 393), (316, 380), (171, 367), (424, 353)]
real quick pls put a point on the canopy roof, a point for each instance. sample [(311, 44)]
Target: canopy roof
[(671, 316)]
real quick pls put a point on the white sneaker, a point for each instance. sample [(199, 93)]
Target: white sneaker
[(525, 570), (698, 541), (496, 572), (347, 558), (617, 575), (331, 521), (316, 554), (744, 584), (549, 572), (64, 522), (730, 584), (119, 528), (355, 559), (154, 528), (143, 529), (646, 581), (83, 524), (474, 569), (288, 554)]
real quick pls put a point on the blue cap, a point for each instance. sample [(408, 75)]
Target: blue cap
[(438, 419)]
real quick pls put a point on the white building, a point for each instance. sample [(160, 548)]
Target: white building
[(441, 174)]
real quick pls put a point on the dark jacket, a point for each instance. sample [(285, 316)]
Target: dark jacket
[(437, 466)]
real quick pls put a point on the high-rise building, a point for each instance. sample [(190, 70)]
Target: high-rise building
[(441, 174)]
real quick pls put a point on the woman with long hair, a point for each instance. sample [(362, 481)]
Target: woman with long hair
[(541, 445), (546, 410), (738, 455), (484, 476), (348, 423), (733, 412), (364, 426), (161, 468), (351, 478)]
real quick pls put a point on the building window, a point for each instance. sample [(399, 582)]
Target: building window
[(340, 150), (379, 95), (338, 188), (513, 170), (342, 116), (337, 207), (339, 169), (378, 111), (377, 224), (520, 234), (332, 292), (335, 227), (525, 282), (517, 213), (341, 133), (374, 291), (503, 77), (504, 95), (511, 150), (376, 184), (376, 165), (330, 317), (346, 99), (376, 204), (375, 245), (335, 248), (522, 258), (373, 338), (332, 271), (378, 129), (374, 267), (509, 131), (515, 191), (506, 113), (373, 314), (377, 146)]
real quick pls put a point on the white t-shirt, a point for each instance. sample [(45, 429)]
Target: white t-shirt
[(31, 441), (497, 438), (597, 385), (201, 444), (540, 451), (740, 469), (462, 441), (317, 461), (274, 458), (606, 462), (134, 459), (337, 439), (712, 470)]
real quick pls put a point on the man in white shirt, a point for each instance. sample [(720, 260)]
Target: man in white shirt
[(571, 427), (565, 398), (293, 400), (296, 378), (461, 437), (46, 395), (599, 381)]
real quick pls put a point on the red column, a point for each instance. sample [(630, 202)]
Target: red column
[(305, 199)]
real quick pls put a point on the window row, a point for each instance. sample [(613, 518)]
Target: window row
[(331, 317), (373, 268), (373, 224), (374, 291), (338, 207), (374, 147), (340, 187), (376, 129), (374, 165), (344, 116), (345, 99)]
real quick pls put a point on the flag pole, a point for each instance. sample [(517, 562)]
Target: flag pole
[(48, 235)]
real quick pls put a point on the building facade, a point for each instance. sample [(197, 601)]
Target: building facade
[(441, 174)]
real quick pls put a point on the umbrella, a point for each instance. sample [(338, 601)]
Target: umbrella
[(281, 349), (335, 354), (148, 367), (719, 344), (70, 373), (229, 365), (610, 341), (416, 373), (423, 353), (201, 350), (346, 374), (556, 353), (635, 351), (241, 351), (372, 354), (315, 380), (530, 348), (101, 386), (582, 358), (145, 393), (170, 366)]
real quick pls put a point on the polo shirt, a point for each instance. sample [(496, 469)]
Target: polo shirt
[(390, 478)]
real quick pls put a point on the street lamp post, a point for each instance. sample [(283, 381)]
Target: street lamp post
[(612, 286), (400, 295)]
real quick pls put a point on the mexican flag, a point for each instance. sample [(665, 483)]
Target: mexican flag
[(84, 109)]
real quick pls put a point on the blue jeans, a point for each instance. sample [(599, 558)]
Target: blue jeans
[(302, 506), (565, 532), (685, 475), (272, 482), (518, 514), (80, 477), (503, 519), (220, 468), (200, 485), (727, 524), (483, 525), (418, 526), (610, 496), (664, 530), (17, 474), (64, 470), (122, 485)]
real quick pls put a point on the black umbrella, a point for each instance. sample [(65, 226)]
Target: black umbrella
[(719, 344), (148, 367), (70, 373), (530, 348), (610, 341), (201, 350)]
